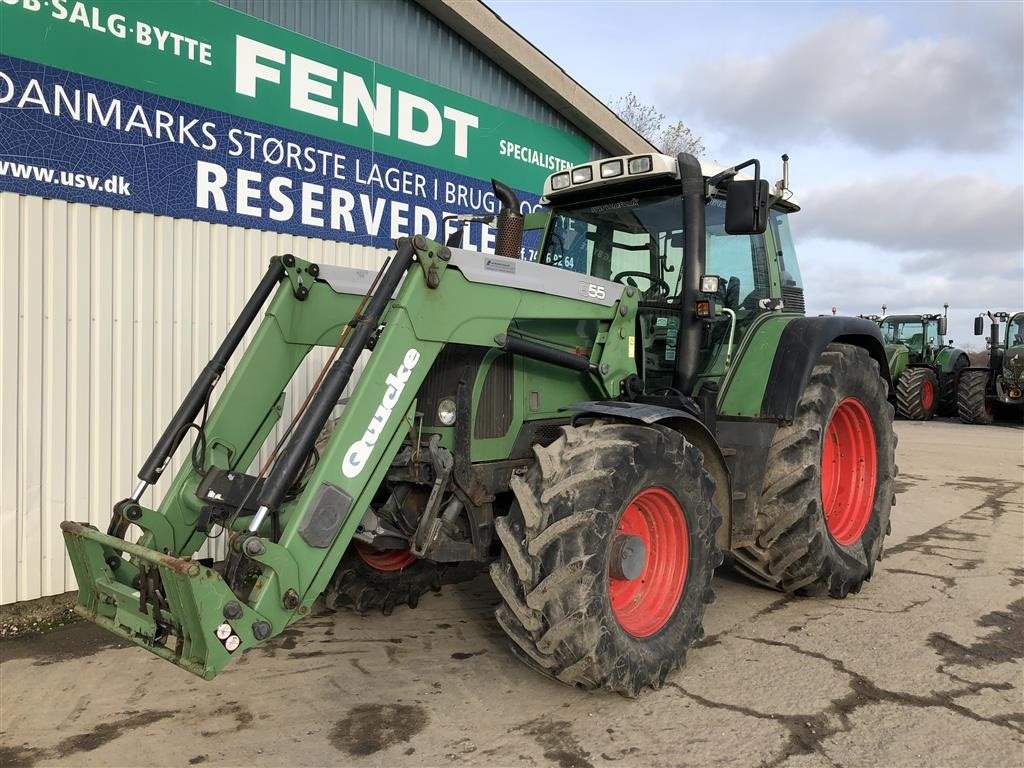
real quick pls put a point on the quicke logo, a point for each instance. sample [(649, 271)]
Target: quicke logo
[(359, 451)]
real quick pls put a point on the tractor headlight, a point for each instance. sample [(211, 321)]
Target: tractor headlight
[(446, 411), (582, 175), (559, 181), (641, 164), (611, 169)]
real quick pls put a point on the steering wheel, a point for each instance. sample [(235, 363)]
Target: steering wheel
[(655, 281)]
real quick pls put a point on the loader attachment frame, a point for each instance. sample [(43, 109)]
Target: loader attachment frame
[(283, 550)]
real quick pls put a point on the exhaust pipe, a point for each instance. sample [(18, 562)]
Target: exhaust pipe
[(694, 258), (509, 239)]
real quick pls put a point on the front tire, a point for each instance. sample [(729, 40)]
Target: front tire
[(367, 580), (578, 604), (971, 404), (827, 493), (917, 394)]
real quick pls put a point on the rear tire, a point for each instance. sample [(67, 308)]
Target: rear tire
[(971, 404), (593, 488), (827, 496), (949, 385), (917, 391)]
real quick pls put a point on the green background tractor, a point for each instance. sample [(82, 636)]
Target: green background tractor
[(925, 368), (983, 389), (597, 428)]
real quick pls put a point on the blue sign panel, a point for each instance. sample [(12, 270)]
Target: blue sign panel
[(71, 137)]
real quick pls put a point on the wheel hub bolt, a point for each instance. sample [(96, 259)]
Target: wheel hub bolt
[(628, 556)]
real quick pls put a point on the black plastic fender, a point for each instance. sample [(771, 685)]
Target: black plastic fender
[(800, 346), (690, 427)]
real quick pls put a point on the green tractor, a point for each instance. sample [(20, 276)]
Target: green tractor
[(925, 368), (596, 427), (983, 389)]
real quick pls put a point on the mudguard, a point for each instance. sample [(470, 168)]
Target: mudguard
[(947, 358), (690, 427), (801, 344), (899, 360)]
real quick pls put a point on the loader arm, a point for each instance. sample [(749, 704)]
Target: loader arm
[(201, 615)]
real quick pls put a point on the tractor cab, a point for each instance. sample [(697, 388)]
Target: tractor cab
[(924, 364), (920, 335), (623, 220)]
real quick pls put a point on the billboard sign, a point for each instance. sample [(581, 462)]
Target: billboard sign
[(193, 110)]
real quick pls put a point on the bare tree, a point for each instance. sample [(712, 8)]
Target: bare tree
[(649, 122)]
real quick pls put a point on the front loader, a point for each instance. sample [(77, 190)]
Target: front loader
[(596, 427)]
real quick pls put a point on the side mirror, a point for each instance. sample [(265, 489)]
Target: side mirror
[(979, 326), (942, 326), (746, 207)]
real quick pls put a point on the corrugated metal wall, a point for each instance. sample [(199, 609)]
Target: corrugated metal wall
[(106, 318)]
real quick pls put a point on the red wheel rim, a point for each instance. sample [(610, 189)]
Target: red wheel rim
[(643, 605), (386, 560), (927, 395), (849, 471)]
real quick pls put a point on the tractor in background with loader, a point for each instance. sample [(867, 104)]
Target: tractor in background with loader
[(597, 427), (925, 367), (1000, 384)]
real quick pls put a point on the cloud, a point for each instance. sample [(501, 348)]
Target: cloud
[(858, 278), (849, 80), (916, 239), (969, 215)]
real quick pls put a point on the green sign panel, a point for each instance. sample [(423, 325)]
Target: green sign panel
[(202, 53)]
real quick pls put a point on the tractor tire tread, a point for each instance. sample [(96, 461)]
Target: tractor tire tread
[(909, 388), (557, 617), (792, 550), (971, 397)]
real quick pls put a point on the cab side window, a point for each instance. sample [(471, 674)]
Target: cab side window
[(742, 263)]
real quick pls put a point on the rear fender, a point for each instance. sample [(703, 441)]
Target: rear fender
[(800, 346), (948, 357), (691, 428)]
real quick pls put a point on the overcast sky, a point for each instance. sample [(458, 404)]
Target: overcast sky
[(904, 123)]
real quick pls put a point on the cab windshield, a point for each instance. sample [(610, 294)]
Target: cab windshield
[(632, 240), (1015, 331), (639, 242), (902, 331)]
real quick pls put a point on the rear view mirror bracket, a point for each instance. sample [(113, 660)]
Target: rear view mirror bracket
[(746, 203)]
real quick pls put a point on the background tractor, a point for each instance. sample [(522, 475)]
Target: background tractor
[(983, 389), (925, 367), (596, 428)]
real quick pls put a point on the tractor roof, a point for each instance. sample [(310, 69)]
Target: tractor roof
[(909, 318), (609, 172)]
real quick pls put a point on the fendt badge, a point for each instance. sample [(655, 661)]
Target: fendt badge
[(359, 451)]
